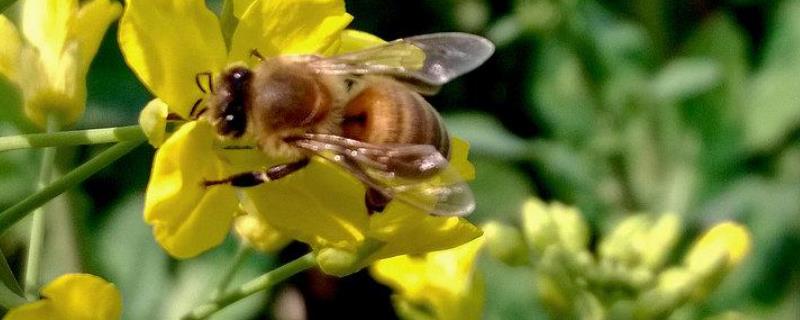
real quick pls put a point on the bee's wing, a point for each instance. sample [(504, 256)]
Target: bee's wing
[(429, 60), (417, 175)]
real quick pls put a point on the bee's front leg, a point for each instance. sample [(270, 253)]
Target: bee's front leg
[(254, 178)]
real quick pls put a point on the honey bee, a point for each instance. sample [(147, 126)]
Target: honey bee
[(363, 111)]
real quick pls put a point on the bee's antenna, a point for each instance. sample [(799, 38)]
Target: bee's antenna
[(257, 55), (208, 75), (194, 108)]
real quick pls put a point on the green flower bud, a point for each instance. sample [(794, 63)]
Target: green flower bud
[(621, 244), (538, 226), (661, 239), (505, 243), (338, 262), (153, 120), (572, 229)]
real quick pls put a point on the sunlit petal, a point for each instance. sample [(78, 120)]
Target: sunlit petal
[(407, 230), (10, 46), (289, 27), (73, 297), (90, 24), (354, 40), (84, 296), (187, 217), (443, 283), (320, 205), (39, 310), (168, 42), (44, 25)]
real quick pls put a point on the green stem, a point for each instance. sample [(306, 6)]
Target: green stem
[(241, 256), (69, 180), (71, 138), (38, 223), (261, 283)]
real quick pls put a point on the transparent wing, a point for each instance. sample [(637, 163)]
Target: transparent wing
[(430, 59), (417, 175)]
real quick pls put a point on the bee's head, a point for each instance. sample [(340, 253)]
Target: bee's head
[(229, 102)]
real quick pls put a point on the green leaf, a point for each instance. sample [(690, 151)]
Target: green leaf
[(486, 136), (196, 279), (684, 78), (500, 190), (510, 292), (7, 276), (720, 113), (559, 93), (774, 92), (131, 259)]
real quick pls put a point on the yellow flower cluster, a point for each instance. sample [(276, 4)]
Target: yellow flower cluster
[(58, 42), (320, 205), (628, 276)]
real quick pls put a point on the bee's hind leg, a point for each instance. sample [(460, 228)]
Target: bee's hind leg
[(254, 178)]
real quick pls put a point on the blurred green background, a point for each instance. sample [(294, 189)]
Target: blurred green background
[(616, 107)]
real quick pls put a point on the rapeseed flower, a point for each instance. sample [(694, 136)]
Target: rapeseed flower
[(50, 58), (167, 43), (73, 297)]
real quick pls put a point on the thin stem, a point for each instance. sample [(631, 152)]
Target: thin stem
[(69, 180), (38, 223), (261, 283), (71, 138), (241, 256)]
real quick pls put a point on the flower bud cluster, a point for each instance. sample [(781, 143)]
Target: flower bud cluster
[(628, 274)]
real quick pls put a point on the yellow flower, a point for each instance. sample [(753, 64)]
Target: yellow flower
[(73, 297), (437, 285), (59, 39), (167, 43)]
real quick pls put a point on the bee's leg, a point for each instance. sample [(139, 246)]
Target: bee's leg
[(375, 200), (254, 178), (255, 54)]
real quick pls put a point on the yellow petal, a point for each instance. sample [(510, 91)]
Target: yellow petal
[(187, 217), (320, 205), (240, 6), (459, 149), (280, 27), (354, 40), (39, 310), (90, 25), (254, 228), (57, 87), (10, 46), (407, 230), (443, 282), (83, 297), (168, 42), (44, 25)]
